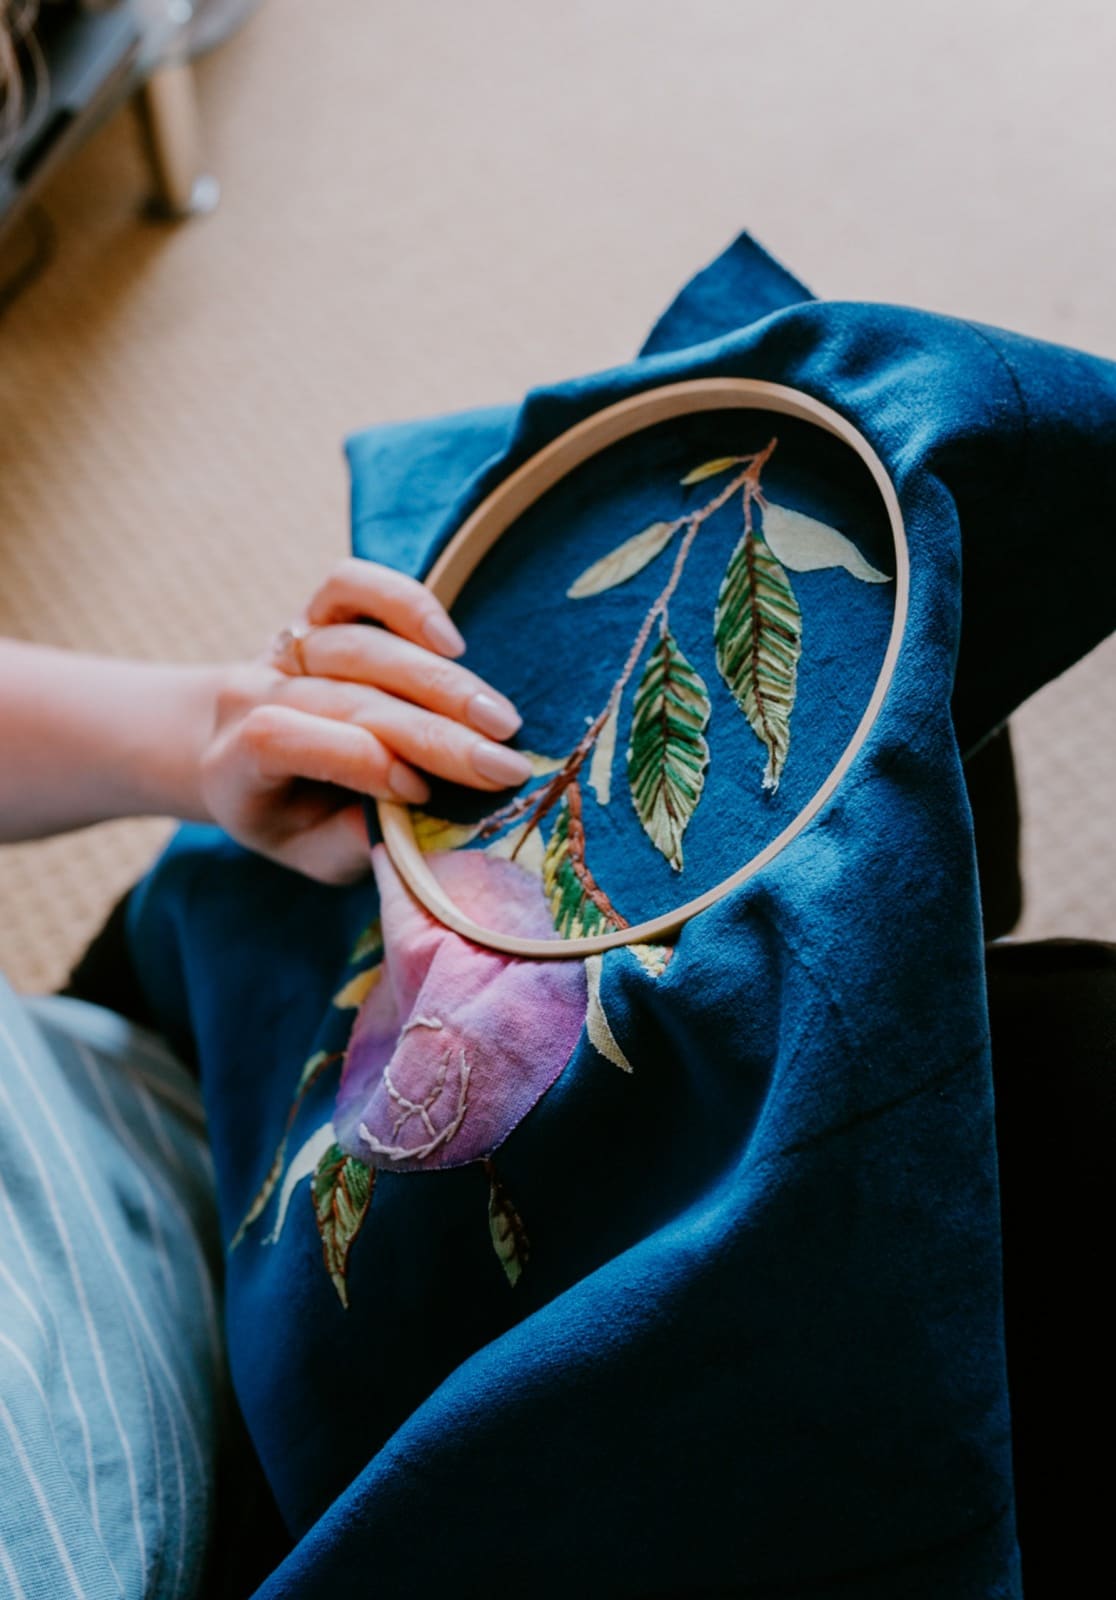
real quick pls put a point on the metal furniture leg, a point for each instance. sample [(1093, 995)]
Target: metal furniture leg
[(168, 109)]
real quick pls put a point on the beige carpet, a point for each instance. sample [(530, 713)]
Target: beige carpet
[(433, 206)]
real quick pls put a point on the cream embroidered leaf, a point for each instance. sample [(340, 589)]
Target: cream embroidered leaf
[(521, 844), (542, 766), (342, 1193), (668, 755), (805, 545), (576, 913), (623, 562), (758, 635), (597, 1026), (509, 1236), (653, 958), (600, 768), (356, 991), (303, 1164), (435, 833), (711, 469)]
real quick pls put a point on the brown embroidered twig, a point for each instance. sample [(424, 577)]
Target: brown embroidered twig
[(575, 842)]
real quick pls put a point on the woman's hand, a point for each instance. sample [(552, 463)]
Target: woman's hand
[(279, 751), (351, 710)]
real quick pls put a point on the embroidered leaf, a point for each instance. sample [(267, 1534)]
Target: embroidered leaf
[(370, 943), (313, 1070), (542, 766), (653, 958), (509, 1236), (434, 833), (623, 562), (600, 768), (805, 545), (668, 754), (710, 469), (303, 1164), (524, 847), (357, 989), (758, 634), (342, 1193), (309, 1075), (263, 1194), (601, 1036), (576, 914)]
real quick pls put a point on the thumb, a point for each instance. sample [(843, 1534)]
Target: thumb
[(335, 850)]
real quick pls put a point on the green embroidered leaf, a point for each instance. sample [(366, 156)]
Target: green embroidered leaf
[(758, 634), (509, 1236), (710, 469), (597, 1025), (805, 545), (600, 768), (623, 562), (342, 1193), (576, 915), (668, 754)]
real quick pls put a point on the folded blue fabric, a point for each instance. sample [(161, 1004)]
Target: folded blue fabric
[(757, 1348)]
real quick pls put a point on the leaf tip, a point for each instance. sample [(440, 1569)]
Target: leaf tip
[(710, 469), (505, 1226)]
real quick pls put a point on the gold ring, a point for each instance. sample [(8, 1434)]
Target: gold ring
[(288, 648)]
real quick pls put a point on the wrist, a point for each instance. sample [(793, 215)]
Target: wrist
[(167, 741)]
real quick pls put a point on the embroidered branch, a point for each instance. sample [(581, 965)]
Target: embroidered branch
[(536, 806)]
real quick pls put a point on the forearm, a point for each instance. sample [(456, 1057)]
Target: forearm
[(86, 738)]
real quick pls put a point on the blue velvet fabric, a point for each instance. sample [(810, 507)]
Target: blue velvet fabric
[(758, 1348)]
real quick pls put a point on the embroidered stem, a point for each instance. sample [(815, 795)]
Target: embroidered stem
[(575, 838)]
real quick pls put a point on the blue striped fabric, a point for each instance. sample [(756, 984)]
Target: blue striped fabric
[(110, 1355)]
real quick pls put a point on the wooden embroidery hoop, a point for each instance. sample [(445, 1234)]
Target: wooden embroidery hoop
[(475, 538)]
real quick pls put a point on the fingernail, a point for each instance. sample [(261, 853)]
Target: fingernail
[(407, 785), (494, 715), (440, 633), (501, 765)]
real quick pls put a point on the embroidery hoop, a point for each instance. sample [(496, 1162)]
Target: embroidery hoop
[(492, 518)]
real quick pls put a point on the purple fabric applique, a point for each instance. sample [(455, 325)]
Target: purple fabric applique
[(455, 1044)]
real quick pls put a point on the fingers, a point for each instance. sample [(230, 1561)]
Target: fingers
[(285, 742), (356, 589), (373, 656), (420, 738)]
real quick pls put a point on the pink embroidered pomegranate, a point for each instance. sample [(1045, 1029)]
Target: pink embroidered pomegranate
[(454, 1044)]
